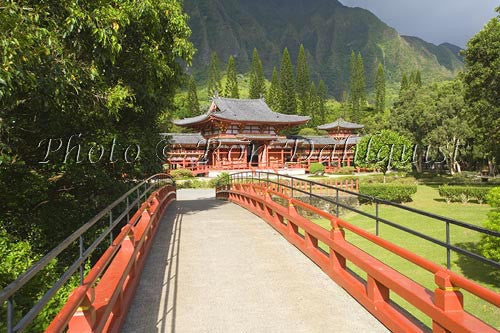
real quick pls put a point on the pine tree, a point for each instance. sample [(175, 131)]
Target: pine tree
[(303, 81), (192, 103), (404, 84), (313, 104), (257, 80), (357, 96), (353, 95), (360, 75), (380, 89), (322, 101), (231, 89), (418, 79), (288, 102), (412, 79), (273, 94), (214, 84)]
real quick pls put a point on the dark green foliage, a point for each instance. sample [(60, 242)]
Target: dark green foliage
[(386, 151), (390, 192), (303, 81), (257, 80), (313, 105), (464, 193), (273, 94), (108, 70), (231, 89), (405, 84), (316, 168), (357, 95), (192, 102), (490, 245), (288, 102), (214, 84), (482, 89), (380, 89), (322, 92)]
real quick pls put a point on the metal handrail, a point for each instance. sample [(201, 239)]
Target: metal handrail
[(446, 244), (7, 293)]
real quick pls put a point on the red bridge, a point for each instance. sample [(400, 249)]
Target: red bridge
[(213, 264)]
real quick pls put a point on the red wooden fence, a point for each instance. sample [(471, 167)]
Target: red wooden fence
[(444, 305), (101, 303)]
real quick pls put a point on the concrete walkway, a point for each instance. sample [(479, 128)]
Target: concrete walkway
[(215, 267)]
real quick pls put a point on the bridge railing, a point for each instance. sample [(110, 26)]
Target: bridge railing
[(444, 306), (113, 271)]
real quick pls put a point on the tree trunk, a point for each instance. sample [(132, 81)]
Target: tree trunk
[(491, 166)]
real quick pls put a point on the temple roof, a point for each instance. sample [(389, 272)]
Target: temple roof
[(243, 110), (340, 123), (320, 140), (185, 138)]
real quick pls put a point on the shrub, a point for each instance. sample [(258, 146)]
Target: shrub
[(316, 168), (181, 173), (390, 192), (221, 180), (463, 193), (346, 170), (490, 245)]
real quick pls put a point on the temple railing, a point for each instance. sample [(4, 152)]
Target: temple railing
[(105, 292), (277, 200)]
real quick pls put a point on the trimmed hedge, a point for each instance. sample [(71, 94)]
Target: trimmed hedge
[(316, 168), (390, 192), (181, 173), (464, 193)]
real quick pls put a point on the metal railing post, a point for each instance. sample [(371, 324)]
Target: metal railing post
[(376, 218), (128, 210), (448, 252), (81, 256), (110, 224), (310, 193), (10, 315), (337, 200), (138, 199)]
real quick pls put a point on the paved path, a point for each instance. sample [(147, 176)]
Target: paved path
[(215, 267)]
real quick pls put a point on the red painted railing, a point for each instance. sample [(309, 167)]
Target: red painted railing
[(100, 304), (444, 305)]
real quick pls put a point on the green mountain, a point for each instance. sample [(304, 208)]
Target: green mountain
[(328, 30)]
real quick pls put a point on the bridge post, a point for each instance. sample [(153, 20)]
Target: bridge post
[(84, 318), (337, 234), (446, 297)]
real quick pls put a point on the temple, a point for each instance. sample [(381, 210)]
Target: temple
[(245, 134)]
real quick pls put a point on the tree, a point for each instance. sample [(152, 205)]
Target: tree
[(192, 102), (449, 129), (322, 101), (482, 89), (313, 104), (106, 71), (418, 79), (490, 245), (273, 94), (380, 89), (231, 89), (257, 80), (288, 102), (358, 86), (214, 84), (303, 81), (386, 151), (404, 84)]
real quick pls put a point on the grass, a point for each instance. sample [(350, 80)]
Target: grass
[(427, 198)]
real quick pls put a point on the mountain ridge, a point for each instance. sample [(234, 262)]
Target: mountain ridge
[(329, 31)]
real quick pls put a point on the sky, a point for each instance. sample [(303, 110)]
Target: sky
[(436, 21)]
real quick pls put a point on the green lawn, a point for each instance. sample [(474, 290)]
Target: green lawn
[(427, 198)]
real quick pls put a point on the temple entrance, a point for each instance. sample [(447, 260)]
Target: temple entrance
[(254, 150)]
